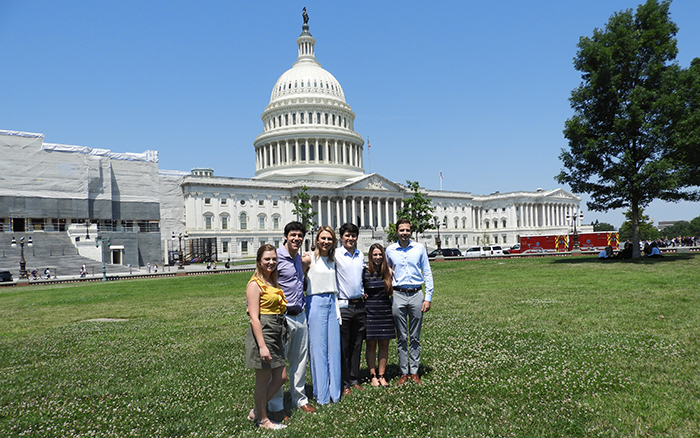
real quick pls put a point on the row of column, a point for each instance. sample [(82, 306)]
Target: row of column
[(303, 150), (547, 215), (362, 211)]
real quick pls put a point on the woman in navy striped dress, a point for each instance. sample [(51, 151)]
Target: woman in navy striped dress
[(380, 322)]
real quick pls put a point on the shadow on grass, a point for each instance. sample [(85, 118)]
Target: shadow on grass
[(644, 260)]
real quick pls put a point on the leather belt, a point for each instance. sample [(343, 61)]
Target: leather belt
[(407, 290), (294, 311), (356, 300)]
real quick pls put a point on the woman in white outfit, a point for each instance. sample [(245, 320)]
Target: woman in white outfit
[(323, 317)]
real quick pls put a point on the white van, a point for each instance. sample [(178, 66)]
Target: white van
[(484, 251)]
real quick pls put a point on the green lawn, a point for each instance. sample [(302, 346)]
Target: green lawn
[(544, 347)]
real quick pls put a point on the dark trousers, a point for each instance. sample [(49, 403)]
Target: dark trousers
[(352, 333)]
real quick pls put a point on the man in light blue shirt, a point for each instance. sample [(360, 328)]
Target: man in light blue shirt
[(409, 262), (349, 263)]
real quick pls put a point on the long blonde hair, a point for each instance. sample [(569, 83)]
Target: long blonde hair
[(258, 268), (384, 271), (331, 251)]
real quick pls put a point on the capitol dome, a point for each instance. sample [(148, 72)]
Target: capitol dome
[(308, 127)]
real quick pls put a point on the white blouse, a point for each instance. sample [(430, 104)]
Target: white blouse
[(321, 275)]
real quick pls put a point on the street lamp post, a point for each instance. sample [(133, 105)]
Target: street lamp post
[(574, 218), (22, 261), (438, 241), (180, 255), (103, 240)]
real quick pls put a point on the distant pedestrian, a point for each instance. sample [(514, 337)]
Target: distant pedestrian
[(148, 267), (83, 270), (47, 273)]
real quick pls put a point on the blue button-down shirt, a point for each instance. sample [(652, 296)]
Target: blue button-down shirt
[(411, 267), (348, 273), (291, 278)]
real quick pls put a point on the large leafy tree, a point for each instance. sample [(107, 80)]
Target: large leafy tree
[(687, 136), (627, 111), (417, 209), (303, 208)]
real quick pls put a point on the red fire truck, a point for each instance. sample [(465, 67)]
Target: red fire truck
[(565, 242)]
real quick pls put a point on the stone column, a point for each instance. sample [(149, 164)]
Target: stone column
[(394, 214), (386, 212), (362, 212), (339, 218), (320, 211), (330, 216)]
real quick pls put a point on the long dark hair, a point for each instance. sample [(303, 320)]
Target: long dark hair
[(384, 272), (258, 269)]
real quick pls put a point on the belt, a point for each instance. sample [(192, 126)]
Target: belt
[(407, 290), (294, 311), (356, 300)]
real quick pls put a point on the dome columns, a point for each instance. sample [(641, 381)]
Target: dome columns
[(310, 150)]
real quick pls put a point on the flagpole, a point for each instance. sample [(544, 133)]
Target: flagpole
[(441, 180), (369, 155)]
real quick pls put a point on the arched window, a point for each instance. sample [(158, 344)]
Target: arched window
[(208, 221), (456, 222), (464, 222), (243, 221), (276, 222), (262, 221), (224, 221)]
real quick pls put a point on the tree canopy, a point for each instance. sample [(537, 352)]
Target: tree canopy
[(629, 113), (303, 208), (602, 226), (417, 209)]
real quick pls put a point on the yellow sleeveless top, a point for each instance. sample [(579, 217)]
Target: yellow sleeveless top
[(272, 300)]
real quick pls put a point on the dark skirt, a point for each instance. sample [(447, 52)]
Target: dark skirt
[(274, 329), (379, 324)]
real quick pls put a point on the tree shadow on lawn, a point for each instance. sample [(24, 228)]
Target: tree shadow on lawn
[(644, 260)]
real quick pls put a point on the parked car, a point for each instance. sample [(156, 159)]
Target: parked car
[(446, 252), (5, 276), (484, 251)]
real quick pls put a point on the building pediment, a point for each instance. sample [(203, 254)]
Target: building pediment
[(374, 182), (561, 194)]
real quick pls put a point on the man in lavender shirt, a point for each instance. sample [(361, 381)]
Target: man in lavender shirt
[(291, 280)]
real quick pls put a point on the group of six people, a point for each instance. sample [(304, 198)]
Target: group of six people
[(347, 301)]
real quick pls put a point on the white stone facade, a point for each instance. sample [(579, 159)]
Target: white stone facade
[(309, 140)]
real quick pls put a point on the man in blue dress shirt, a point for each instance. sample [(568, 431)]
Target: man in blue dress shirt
[(409, 262), (349, 263)]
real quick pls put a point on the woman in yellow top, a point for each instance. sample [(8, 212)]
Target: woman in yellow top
[(264, 344)]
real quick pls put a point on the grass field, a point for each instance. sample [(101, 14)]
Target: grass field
[(547, 347)]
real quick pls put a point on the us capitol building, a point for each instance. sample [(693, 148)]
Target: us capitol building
[(308, 139)]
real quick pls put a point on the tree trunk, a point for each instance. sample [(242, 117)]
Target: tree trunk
[(636, 253)]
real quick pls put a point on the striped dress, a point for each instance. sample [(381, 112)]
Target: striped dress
[(380, 322)]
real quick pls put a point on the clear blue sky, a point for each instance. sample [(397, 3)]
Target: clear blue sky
[(477, 90)]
